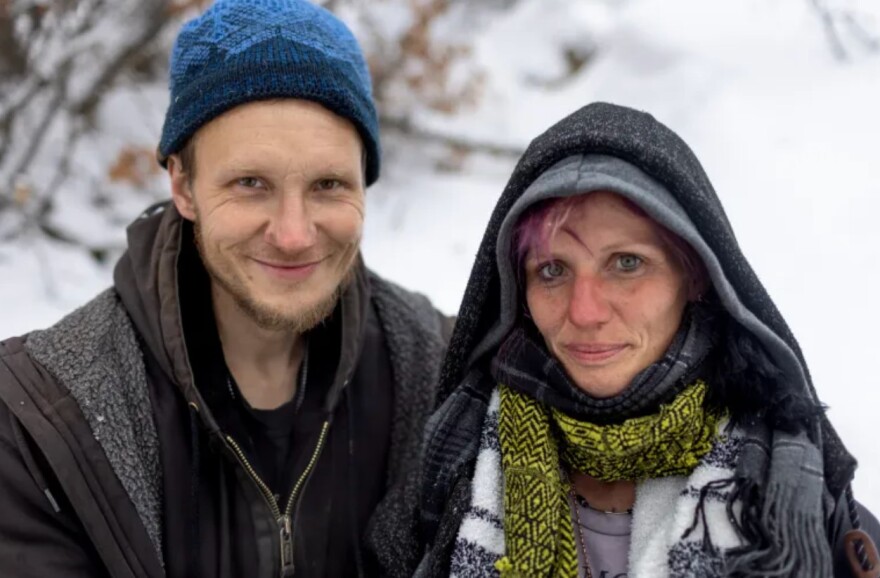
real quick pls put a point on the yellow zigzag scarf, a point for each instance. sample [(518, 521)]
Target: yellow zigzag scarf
[(538, 530)]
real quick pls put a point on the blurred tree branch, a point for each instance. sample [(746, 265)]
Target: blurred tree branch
[(840, 23), (59, 60), (412, 64), (456, 143), (423, 63), (13, 61)]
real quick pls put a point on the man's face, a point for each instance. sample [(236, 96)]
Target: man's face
[(277, 198)]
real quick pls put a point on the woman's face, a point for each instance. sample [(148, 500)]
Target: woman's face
[(606, 294)]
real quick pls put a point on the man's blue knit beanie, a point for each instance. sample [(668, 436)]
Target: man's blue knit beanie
[(239, 51)]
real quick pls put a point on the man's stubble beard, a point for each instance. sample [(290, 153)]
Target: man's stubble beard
[(266, 317)]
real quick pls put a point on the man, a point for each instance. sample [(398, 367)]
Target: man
[(245, 396)]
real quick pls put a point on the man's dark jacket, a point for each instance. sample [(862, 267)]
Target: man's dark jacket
[(113, 462)]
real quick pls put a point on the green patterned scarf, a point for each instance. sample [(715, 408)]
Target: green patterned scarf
[(536, 441)]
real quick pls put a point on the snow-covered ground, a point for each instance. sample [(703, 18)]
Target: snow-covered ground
[(786, 130)]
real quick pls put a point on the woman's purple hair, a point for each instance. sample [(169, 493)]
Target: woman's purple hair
[(540, 223)]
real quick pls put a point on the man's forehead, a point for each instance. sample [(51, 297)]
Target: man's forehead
[(280, 113), (262, 137)]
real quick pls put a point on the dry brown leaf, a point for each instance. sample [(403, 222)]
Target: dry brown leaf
[(134, 165)]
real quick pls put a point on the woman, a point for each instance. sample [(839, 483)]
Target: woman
[(621, 397)]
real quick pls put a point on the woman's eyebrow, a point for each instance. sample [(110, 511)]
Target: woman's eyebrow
[(570, 232), (616, 246), (631, 245)]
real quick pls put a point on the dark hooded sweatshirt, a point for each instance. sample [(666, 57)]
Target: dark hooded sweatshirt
[(124, 450), (453, 431)]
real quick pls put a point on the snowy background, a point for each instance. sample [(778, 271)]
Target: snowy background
[(780, 105)]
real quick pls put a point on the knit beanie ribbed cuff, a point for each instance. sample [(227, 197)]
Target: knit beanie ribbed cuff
[(241, 51)]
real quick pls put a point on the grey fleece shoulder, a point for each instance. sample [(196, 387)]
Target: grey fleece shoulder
[(94, 353), (414, 305), (416, 339), (414, 332)]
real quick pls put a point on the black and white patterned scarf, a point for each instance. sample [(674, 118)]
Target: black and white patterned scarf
[(682, 526)]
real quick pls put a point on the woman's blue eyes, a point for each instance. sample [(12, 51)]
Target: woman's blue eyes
[(628, 263), (551, 270), (624, 263)]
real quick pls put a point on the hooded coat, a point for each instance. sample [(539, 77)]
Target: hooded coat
[(114, 462), (692, 209)]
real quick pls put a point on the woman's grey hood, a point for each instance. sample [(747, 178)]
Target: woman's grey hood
[(613, 148), (592, 172)]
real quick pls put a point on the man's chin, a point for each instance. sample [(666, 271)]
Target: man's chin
[(285, 305), (278, 315)]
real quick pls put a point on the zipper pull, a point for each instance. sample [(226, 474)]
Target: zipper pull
[(286, 546)]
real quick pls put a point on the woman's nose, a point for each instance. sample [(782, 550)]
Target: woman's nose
[(590, 302)]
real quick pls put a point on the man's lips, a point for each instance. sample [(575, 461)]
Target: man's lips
[(590, 353), (289, 271)]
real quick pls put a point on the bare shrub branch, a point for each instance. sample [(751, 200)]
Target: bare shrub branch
[(841, 25)]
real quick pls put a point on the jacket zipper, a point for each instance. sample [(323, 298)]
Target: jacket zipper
[(284, 519)]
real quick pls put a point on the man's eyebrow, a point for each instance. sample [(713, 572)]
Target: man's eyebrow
[(337, 172), (332, 171)]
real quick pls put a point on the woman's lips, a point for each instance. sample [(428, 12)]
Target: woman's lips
[(289, 271), (594, 353)]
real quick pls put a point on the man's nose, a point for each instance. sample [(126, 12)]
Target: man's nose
[(291, 228)]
